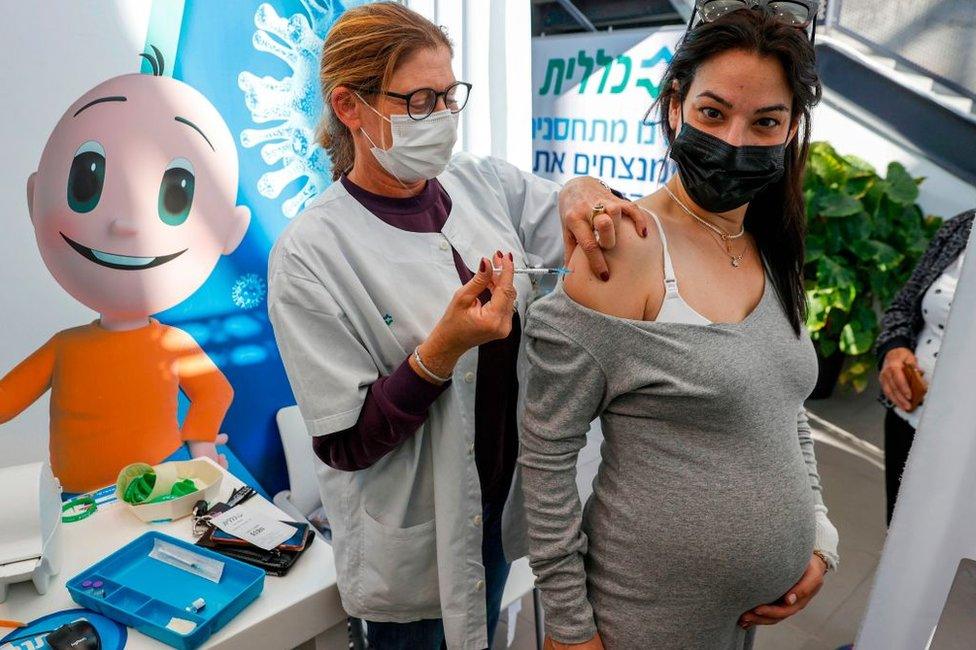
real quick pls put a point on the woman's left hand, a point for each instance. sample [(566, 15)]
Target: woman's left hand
[(796, 598), (599, 232)]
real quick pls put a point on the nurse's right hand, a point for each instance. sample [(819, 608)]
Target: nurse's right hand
[(467, 323)]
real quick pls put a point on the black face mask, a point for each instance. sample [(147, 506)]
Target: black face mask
[(719, 176)]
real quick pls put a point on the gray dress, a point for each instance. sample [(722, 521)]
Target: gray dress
[(704, 503)]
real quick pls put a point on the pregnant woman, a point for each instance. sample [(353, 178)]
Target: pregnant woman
[(706, 516)]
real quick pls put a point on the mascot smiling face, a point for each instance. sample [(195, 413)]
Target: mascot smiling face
[(134, 199)]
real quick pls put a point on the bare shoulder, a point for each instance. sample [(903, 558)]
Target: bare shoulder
[(633, 265)]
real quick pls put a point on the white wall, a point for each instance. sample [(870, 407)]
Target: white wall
[(51, 55), (493, 51)]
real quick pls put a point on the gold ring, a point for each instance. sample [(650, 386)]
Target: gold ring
[(599, 208)]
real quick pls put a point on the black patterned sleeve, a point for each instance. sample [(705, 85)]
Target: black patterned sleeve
[(903, 318)]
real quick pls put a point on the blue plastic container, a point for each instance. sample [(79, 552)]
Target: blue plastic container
[(145, 593)]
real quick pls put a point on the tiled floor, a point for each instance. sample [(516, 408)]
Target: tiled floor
[(854, 493)]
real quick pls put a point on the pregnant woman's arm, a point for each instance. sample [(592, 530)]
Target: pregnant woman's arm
[(564, 391), (826, 539)]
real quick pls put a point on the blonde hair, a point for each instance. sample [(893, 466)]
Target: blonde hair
[(362, 51)]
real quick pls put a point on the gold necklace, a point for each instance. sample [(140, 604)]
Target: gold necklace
[(736, 260)]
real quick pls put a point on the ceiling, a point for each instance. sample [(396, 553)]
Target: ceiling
[(553, 17)]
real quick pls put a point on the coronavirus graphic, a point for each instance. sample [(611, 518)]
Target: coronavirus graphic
[(290, 105), (248, 291)]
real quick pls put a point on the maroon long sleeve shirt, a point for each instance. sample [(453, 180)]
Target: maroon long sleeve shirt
[(397, 405)]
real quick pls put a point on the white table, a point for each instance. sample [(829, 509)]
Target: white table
[(291, 609)]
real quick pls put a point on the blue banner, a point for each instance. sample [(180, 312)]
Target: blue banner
[(257, 61)]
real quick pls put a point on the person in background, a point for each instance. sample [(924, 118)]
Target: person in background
[(911, 335), (397, 308)]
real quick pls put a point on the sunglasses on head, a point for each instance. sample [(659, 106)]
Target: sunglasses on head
[(801, 14)]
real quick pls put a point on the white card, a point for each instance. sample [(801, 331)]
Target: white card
[(263, 532)]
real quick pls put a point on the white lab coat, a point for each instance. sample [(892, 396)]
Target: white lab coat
[(407, 530)]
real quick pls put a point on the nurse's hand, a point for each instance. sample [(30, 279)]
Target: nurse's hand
[(467, 323), (798, 597), (894, 383), (596, 643), (594, 233)]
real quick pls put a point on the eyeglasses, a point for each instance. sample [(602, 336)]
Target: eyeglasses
[(801, 14), (422, 102)]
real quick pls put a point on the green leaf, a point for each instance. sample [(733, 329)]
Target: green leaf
[(855, 340), (884, 256), (843, 297), (814, 248), (859, 367), (826, 164), (832, 274), (901, 186), (859, 166), (856, 228), (838, 205), (827, 347), (818, 307), (858, 335), (860, 186)]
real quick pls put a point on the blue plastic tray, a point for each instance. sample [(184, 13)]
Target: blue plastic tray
[(145, 593)]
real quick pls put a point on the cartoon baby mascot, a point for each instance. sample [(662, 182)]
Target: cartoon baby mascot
[(133, 203)]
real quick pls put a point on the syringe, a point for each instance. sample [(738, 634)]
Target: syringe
[(559, 270)]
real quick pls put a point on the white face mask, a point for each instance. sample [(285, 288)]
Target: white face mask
[(421, 149)]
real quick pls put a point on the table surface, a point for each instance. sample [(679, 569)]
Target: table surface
[(290, 610)]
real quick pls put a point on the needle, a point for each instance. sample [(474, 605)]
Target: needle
[(559, 270)]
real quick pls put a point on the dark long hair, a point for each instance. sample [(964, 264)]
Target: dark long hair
[(776, 217)]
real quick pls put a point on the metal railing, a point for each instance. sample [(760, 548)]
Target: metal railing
[(930, 37)]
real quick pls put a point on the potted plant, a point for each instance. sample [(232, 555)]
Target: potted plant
[(865, 234)]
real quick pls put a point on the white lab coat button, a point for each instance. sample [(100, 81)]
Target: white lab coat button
[(445, 245), (477, 520), (479, 585), (469, 377)]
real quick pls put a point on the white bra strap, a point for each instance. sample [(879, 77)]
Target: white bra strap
[(670, 281)]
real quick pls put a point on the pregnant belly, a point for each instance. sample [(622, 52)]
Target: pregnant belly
[(729, 537)]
